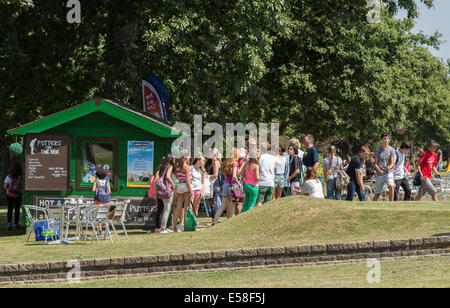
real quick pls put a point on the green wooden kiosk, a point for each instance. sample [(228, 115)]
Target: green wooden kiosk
[(63, 150)]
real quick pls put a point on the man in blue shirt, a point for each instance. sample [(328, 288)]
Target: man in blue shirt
[(311, 156)]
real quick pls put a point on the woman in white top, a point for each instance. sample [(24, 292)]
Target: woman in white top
[(331, 165), (280, 163), (198, 181), (311, 184)]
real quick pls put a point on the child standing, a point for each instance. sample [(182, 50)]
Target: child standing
[(102, 191), (101, 188)]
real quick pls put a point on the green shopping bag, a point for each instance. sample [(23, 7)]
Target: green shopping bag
[(190, 222)]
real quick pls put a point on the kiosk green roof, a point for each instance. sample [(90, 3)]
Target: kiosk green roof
[(122, 112)]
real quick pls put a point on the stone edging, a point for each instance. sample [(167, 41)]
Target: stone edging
[(226, 260)]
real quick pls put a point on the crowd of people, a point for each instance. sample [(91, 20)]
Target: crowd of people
[(243, 182)]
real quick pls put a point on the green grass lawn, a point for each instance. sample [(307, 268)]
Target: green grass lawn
[(288, 221), (413, 273)]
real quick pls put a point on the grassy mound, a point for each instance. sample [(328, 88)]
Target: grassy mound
[(285, 222), (306, 220)]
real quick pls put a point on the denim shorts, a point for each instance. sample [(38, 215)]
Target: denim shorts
[(226, 189)]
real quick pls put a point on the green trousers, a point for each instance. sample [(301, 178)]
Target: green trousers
[(250, 193)]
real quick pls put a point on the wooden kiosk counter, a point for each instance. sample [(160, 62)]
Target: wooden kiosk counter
[(63, 150)]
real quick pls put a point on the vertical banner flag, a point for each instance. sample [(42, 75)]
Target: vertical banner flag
[(154, 98)]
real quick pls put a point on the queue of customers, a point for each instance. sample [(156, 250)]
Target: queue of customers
[(238, 184), (243, 182)]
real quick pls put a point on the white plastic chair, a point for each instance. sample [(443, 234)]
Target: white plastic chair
[(119, 216), (41, 214)]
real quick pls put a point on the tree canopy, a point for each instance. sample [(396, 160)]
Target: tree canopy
[(313, 66)]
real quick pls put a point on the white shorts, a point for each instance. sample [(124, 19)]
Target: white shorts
[(182, 188), (380, 180)]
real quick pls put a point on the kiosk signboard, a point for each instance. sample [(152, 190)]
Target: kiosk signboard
[(47, 162)]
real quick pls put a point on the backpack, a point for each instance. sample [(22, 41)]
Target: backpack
[(14, 188), (102, 194), (164, 189), (342, 179), (416, 179)]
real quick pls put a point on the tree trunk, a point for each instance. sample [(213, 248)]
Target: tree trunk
[(121, 32)]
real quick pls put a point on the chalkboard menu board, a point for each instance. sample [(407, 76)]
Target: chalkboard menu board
[(47, 162)]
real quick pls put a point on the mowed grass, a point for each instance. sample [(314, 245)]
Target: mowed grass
[(413, 273), (286, 222)]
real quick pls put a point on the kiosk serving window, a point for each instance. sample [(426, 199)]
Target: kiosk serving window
[(96, 153)]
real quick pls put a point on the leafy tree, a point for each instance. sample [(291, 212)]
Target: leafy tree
[(313, 66)]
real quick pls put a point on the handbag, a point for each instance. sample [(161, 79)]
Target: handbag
[(342, 179), (164, 189), (237, 195), (208, 192), (190, 222)]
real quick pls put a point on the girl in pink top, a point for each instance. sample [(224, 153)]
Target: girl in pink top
[(251, 178)]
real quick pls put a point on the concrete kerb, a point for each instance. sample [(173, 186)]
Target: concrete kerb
[(252, 258)]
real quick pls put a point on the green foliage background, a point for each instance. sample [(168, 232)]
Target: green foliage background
[(314, 66)]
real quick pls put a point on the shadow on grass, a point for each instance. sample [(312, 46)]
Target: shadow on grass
[(3, 224), (442, 234)]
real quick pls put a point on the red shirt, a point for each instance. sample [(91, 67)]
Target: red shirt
[(427, 162)]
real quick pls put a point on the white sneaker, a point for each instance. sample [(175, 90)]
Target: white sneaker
[(177, 230), (166, 231)]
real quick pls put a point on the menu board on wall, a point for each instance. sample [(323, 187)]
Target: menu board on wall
[(47, 162)]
